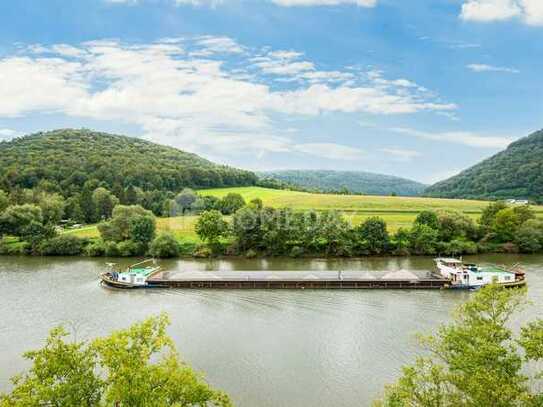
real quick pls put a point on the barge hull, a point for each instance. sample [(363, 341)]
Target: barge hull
[(290, 284)]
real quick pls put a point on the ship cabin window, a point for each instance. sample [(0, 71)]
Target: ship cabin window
[(508, 277), (139, 280), (479, 278), (465, 276)]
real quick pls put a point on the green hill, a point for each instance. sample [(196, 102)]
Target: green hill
[(353, 181), (67, 158), (515, 173)]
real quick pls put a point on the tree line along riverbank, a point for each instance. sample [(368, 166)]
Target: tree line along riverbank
[(225, 223)]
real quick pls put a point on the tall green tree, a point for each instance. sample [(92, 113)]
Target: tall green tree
[(529, 236), (455, 225), (142, 229), (374, 235), (506, 223), (423, 239), (136, 367), (428, 218), (61, 374), (86, 203), (104, 202), (211, 227), (130, 195), (231, 203), (475, 361), (120, 227), (52, 207), (185, 199), (489, 214), (16, 219)]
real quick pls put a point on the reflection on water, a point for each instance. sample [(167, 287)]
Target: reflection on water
[(265, 348)]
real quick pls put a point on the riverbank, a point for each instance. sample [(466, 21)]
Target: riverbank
[(256, 230)]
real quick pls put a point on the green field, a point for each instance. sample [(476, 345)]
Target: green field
[(348, 203), (182, 227), (396, 211)]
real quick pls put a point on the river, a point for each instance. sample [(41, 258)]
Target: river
[(265, 348)]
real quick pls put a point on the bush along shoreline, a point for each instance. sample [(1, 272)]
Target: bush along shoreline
[(232, 227)]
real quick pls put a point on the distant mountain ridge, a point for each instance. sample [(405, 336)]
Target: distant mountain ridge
[(353, 181), (515, 173)]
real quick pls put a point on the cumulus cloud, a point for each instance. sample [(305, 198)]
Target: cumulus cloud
[(491, 68), (330, 150), (459, 137), (401, 154), (530, 11), (205, 94)]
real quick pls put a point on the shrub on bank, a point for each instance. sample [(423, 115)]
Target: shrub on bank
[(129, 248), (457, 247), (14, 248), (111, 249), (63, 245), (164, 246), (96, 248), (202, 251)]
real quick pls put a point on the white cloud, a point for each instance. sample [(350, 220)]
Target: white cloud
[(204, 104), (401, 154), (288, 66), (217, 45), (330, 150), (459, 137), (530, 11), (60, 84), (491, 68), (8, 134)]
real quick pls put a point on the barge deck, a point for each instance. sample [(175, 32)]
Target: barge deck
[(297, 280)]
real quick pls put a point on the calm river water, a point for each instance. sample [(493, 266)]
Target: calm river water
[(265, 348)]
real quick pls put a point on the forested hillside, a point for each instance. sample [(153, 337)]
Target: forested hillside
[(69, 158), (516, 173), (347, 181)]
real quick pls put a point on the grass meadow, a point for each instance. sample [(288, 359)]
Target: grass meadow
[(396, 211)]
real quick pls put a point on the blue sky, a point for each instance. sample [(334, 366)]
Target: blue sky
[(419, 88)]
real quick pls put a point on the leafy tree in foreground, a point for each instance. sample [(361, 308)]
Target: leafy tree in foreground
[(476, 361), (136, 367)]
